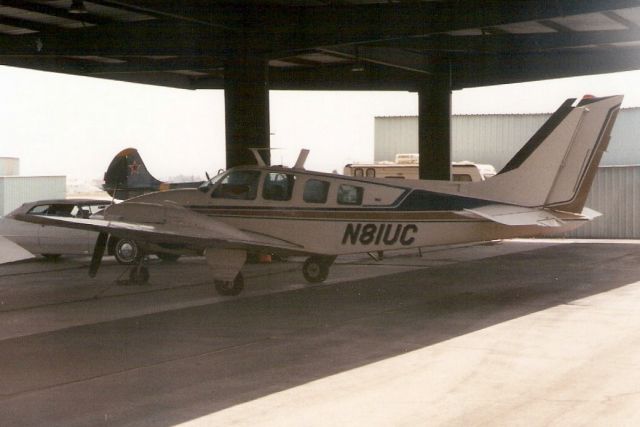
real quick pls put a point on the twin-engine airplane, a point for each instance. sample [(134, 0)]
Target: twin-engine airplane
[(283, 210)]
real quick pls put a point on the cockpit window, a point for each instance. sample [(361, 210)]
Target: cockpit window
[(349, 195), (278, 186), (239, 185), (315, 191)]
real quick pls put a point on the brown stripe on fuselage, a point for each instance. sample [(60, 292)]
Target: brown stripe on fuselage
[(333, 215), (347, 215)]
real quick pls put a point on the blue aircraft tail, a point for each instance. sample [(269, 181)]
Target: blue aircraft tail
[(127, 176)]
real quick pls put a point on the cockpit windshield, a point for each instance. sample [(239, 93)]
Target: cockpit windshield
[(207, 185)]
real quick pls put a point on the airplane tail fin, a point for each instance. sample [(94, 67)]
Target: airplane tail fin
[(127, 176), (556, 167)]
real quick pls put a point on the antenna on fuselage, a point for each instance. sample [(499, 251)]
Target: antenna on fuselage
[(302, 157)]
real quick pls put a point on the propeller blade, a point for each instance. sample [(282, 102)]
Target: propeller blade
[(98, 252)]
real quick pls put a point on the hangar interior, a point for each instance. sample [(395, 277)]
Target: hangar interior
[(550, 335), (249, 47)]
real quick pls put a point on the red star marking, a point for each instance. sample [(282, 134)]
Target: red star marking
[(133, 168)]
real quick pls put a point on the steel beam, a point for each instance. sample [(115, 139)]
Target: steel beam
[(434, 128), (246, 98)]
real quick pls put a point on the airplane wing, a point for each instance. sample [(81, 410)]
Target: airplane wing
[(161, 223), (518, 215)]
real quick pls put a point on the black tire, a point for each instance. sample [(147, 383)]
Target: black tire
[(126, 251), (52, 257), (230, 288), (167, 257), (139, 276), (315, 270)]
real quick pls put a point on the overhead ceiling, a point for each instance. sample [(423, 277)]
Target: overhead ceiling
[(340, 44)]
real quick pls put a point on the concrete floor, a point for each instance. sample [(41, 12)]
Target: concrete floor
[(510, 333)]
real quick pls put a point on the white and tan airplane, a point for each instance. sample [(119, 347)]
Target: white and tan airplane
[(288, 211)]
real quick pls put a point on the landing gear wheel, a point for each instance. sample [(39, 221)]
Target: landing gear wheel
[(139, 275), (315, 270), (230, 288), (126, 251)]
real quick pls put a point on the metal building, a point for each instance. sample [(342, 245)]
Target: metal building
[(494, 139), (16, 190), (616, 194)]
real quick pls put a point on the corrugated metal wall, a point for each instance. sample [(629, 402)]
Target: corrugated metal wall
[(491, 139), (16, 190), (393, 135), (494, 139), (615, 194), (624, 148)]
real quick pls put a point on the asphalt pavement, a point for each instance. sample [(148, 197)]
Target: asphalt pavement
[(539, 332)]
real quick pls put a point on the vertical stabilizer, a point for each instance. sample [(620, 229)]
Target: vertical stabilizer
[(556, 167), (127, 176)]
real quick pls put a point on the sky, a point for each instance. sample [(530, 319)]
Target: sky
[(67, 125)]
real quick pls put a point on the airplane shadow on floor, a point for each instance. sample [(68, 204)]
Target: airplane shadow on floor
[(174, 366)]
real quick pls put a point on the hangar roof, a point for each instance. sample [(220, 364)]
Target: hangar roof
[(322, 44)]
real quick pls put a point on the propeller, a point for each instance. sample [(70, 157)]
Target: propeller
[(207, 175), (98, 252)]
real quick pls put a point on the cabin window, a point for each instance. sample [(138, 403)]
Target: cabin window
[(349, 195), (315, 191), (462, 177), (278, 186), (371, 173), (358, 172), (239, 185)]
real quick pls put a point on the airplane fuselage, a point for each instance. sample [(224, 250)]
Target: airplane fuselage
[(334, 215)]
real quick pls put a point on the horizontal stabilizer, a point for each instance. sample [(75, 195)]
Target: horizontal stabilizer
[(517, 215), (590, 214)]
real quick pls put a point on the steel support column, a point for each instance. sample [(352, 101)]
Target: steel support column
[(246, 97), (434, 128)]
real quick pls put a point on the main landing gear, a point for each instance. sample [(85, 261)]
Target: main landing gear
[(316, 268), (230, 288), (139, 274)]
